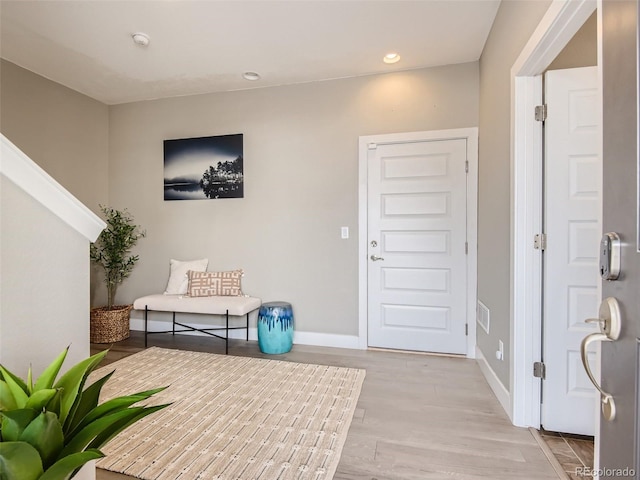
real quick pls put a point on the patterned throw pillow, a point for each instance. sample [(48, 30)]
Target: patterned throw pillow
[(208, 284)]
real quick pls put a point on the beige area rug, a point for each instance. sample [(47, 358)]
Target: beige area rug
[(233, 418)]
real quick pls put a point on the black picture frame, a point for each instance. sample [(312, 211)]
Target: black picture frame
[(204, 168)]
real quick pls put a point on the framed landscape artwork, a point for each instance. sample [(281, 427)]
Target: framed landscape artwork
[(203, 168)]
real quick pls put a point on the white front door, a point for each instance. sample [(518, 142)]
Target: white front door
[(573, 205), (417, 234)]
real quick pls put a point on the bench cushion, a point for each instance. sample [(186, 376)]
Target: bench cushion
[(208, 305)]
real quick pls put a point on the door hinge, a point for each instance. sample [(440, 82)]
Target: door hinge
[(466, 166), (466, 329), (540, 241), (539, 370), (466, 248), (541, 113)]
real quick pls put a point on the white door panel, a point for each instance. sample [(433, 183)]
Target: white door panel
[(573, 204), (417, 213)]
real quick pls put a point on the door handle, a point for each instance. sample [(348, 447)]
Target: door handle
[(375, 258), (609, 321), (606, 399)]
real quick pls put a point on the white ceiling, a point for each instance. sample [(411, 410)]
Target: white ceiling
[(205, 46)]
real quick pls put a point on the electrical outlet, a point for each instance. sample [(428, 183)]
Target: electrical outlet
[(500, 351), (344, 232)]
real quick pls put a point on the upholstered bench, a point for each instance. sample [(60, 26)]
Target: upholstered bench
[(211, 305)]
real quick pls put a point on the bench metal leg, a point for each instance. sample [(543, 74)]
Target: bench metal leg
[(226, 340), (190, 328), (146, 313)]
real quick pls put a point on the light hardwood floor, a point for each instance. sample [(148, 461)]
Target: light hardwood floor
[(419, 417)]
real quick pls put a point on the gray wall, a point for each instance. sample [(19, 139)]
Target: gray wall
[(44, 304), (301, 172), (301, 182), (44, 286), (514, 24), (64, 132)]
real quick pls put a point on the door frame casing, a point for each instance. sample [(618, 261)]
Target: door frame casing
[(561, 21), (471, 136)]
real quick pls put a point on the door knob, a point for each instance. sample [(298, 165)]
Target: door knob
[(375, 258), (609, 321)]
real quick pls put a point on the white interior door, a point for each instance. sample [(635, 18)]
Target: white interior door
[(573, 206), (417, 234)]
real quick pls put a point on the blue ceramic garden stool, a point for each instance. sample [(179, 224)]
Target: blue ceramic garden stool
[(275, 327)]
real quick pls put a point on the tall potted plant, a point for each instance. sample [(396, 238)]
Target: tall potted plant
[(112, 252)]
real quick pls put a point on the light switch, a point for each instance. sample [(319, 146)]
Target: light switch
[(344, 232)]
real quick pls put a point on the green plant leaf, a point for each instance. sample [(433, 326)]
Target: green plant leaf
[(149, 393), (19, 461), (39, 399), (64, 468), (88, 401), (45, 434), (17, 386), (4, 373), (83, 438), (54, 403), (110, 406), (14, 422), (116, 404), (48, 376), (30, 381), (117, 427), (73, 381), (7, 402)]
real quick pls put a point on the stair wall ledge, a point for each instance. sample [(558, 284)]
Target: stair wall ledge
[(16, 166)]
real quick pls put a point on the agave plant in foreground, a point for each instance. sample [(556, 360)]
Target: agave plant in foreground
[(48, 430)]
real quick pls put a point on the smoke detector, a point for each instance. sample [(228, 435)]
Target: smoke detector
[(141, 39), (251, 76)]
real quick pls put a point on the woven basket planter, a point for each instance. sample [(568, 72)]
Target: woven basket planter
[(108, 326)]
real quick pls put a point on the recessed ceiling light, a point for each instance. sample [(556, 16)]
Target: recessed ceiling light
[(391, 58), (251, 76), (140, 38)]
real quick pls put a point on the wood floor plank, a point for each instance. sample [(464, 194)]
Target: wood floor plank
[(583, 450), (419, 417), (435, 458)]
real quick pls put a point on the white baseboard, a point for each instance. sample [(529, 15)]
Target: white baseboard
[(326, 340), (301, 338), (499, 390)]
